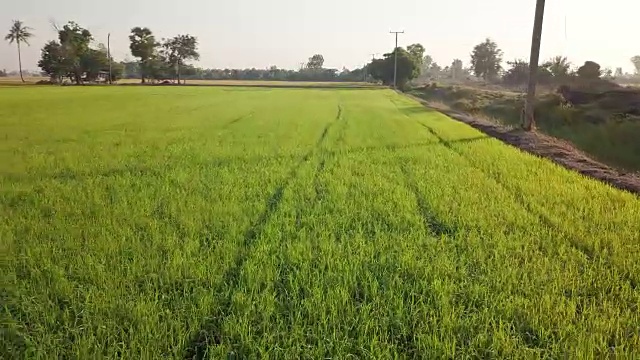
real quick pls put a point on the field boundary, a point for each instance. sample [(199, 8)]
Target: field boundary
[(560, 152)]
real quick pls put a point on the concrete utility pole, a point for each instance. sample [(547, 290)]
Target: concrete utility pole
[(529, 121), (109, 56), (395, 61)]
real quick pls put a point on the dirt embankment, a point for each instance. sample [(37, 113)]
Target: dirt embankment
[(559, 151)]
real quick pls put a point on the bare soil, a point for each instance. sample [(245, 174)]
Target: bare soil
[(556, 150)]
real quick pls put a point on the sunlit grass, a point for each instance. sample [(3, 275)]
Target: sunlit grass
[(285, 223)]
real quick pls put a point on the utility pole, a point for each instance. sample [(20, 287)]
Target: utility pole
[(109, 56), (529, 121), (395, 61)]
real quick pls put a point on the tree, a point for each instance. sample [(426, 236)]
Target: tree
[(416, 51), (19, 33), (52, 61), (315, 62), (427, 60), (636, 64), (383, 69), (558, 66), (73, 57), (94, 62), (486, 60), (607, 73), (456, 69), (3, 73), (74, 41), (143, 45), (590, 70), (178, 50), (619, 73), (435, 70), (518, 74)]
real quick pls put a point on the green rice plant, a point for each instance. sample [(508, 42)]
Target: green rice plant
[(199, 222)]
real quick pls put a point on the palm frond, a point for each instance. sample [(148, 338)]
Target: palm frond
[(19, 33)]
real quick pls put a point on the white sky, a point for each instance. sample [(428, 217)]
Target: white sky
[(259, 33)]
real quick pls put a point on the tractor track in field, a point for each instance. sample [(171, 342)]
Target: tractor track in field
[(543, 218), (431, 223), (238, 119), (517, 197), (211, 332), (322, 152)]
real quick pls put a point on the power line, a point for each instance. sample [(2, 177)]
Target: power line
[(395, 61)]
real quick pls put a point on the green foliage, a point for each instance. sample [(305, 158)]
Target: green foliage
[(176, 51), (73, 57), (315, 62), (518, 73), (383, 69), (589, 71), (486, 60), (298, 224), (416, 51), (19, 33), (558, 66), (143, 45), (52, 61)]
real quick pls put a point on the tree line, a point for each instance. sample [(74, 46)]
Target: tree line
[(74, 55), (486, 63)]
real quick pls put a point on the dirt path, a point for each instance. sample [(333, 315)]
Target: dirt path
[(556, 150)]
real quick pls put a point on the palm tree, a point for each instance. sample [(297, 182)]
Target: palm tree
[(19, 33)]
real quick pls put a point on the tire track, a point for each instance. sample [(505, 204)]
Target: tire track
[(431, 223), (238, 119), (518, 197), (323, 154), (211, 332)]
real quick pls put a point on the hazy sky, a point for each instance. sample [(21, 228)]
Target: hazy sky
[(255, 33)]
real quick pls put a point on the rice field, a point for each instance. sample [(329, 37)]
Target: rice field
[(208, 223)]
